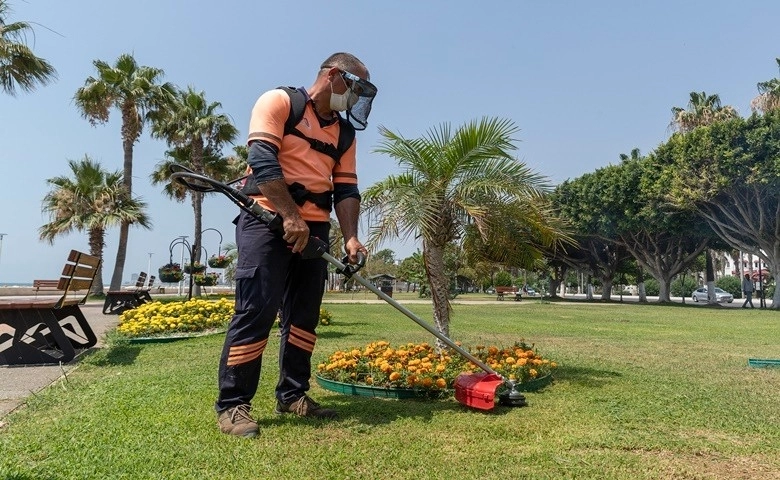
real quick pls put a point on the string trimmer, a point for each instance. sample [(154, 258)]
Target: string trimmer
[(477, 390)]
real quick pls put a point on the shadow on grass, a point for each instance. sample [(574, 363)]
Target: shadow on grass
[(120, 354), (368, 412), (617, 301), (586, 377)]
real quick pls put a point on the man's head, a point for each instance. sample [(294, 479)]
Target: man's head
[(347, 80), (747, 275)]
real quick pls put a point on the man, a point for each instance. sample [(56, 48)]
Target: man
[(297, 179), (747, 288)]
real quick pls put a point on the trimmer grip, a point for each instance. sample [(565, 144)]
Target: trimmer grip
[(314, 248)]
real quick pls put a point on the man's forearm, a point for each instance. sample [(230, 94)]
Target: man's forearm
[(348, 213), (276, 191)]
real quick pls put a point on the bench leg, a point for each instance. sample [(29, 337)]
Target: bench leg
[(118, 302), (37, 338), (75, 326)]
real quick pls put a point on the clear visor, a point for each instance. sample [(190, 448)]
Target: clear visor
[(365, 91)]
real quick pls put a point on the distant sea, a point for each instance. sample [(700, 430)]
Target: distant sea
[(15, 284)]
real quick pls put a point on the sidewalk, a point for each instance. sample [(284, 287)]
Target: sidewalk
[(19, 382)]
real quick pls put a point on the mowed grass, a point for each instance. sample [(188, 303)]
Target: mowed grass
[(642, 391)]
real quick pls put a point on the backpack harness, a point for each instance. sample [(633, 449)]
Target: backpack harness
[(298, 192)]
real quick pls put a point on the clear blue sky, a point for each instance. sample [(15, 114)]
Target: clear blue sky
[(584, 82)]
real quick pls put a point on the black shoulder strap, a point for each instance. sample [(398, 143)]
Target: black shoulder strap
[(297, 107), (346, 136)]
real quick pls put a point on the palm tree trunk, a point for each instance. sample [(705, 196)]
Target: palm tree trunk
[(124, 230), (96, 245), (437, 278), (197, 207)]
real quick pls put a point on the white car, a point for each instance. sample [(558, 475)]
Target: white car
[(720, 295)]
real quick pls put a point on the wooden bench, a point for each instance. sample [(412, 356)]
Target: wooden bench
[(45, 331), (502, 291), (46, 286), (117, 301)]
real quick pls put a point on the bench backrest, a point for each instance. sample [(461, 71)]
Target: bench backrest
[(140, 281), (78, 274), (151, 282), (506, 289)]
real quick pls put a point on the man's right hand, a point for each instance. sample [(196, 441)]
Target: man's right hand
[(296, 232)]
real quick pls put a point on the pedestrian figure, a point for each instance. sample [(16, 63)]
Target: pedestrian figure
[(747, 289)]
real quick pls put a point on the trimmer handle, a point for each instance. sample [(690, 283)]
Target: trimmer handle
[(349, 268)]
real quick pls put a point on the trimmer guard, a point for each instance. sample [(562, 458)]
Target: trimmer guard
[(477, 390)]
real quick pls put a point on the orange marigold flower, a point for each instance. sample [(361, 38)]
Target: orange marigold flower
[(394, 376)]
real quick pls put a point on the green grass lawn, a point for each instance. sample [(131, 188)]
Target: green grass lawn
[(642, 391)]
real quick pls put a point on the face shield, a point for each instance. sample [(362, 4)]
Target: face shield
[(365, 92)]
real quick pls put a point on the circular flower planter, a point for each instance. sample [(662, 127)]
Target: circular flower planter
[(216, 262), (368, 391), (402, 393), (170, 277), (188, 268)]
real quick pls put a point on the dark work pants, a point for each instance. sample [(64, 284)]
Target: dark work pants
[(268, 275)]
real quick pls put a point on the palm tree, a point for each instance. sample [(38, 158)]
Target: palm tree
[(702, 110), (454, 182), (135, 92), (19, 67), (92, 200), (769, 95), (197, 133)]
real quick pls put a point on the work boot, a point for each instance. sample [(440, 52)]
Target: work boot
[(305, 407), (237, 421)]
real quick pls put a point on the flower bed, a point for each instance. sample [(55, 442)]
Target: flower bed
[(165, 319), (420, 367)]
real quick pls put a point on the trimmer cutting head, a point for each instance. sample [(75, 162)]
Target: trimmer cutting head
[(478, 390)]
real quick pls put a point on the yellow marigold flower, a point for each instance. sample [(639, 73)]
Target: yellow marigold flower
[(394, 376), (533, 373), (441, 383), (509, 360)]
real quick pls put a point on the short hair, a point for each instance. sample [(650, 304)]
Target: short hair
[(343, 61)]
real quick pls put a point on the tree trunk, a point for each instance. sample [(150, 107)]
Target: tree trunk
[(606, 289), (96, 245), (663, 289), (640, 285), (709, 273), (433, 258), (124, 229)]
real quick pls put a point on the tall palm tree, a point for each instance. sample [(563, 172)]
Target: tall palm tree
[(197, 133), (453, 181), (768, 98), (91, 200), (19, 67), (702, 110), (135, 91)]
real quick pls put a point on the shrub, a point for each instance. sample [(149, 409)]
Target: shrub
[(652, 288), (731, 284), (683, 287)]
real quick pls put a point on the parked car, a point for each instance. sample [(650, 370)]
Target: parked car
[(530, 292), (720, 295)]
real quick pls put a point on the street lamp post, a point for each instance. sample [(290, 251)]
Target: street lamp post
[(2, 235), (149, 268)]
